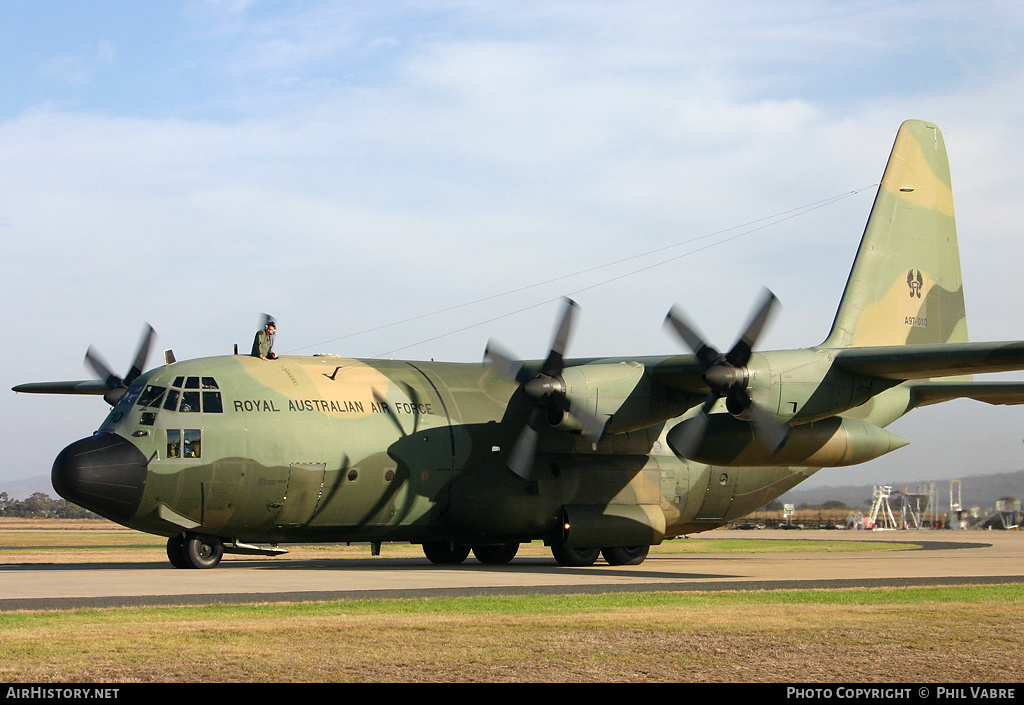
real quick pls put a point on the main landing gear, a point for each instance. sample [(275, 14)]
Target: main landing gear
[(451, 553), (194, 551), (614, 555)]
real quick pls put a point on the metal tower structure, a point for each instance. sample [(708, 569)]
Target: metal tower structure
[(880, 508), (918, 509)]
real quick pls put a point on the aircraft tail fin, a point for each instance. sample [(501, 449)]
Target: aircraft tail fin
[(905, 286)]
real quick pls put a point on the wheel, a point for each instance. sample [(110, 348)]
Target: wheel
[(575, 557), (625, 555), (445, 552), (203, 551), (194, 551), (176, 551), (500, 553)]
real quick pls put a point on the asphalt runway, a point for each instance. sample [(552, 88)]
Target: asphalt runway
[(946, 558)]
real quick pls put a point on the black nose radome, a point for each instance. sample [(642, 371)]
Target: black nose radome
[(103, 473)]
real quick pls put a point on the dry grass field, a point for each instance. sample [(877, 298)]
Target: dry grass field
[(943, 634)]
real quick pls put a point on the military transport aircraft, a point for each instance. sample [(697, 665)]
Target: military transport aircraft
[(593, 456)]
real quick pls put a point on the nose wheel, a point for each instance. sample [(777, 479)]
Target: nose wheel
[(194, 551)]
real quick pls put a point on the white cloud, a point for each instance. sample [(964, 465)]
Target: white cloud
[(344, 169)]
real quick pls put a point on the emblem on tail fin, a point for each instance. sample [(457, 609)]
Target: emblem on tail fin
[(915, 282)]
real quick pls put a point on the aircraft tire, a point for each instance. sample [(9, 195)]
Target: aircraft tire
[(500, 553), (176, 551), (575, 557), (625, 555), (445, 552), (200, 551)]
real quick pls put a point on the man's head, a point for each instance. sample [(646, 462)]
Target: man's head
[(271, 327)]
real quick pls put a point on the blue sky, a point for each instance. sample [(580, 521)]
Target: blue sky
[(354, 168)]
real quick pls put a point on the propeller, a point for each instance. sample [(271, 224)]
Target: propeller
[(117, 386), (546, 389), (727, 377)]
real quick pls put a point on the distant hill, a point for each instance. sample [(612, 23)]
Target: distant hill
[(975, 491), (26, 487)]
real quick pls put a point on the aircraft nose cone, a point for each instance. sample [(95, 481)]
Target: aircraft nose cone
[(103, 473)]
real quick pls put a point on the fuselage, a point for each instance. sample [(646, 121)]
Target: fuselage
[(327, 448)]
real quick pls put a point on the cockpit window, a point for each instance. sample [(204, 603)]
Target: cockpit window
[(129, 397), (189, 402), (151, 396), (184, 397), (171, 402), (212, 403)]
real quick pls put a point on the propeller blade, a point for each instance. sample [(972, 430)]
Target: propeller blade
[(101, 368), (141, 355), (686, 437), (593, 426), (706, 355), (740, 353), (115, 385), (544, 390), (520, 459), (504, 362), (727, 377), (556, 357), (770, 432)]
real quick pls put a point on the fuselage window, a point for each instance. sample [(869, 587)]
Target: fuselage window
[(187, 443), (173, 443), (193, 443)]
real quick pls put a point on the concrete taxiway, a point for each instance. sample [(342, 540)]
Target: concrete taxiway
[(944, 558)]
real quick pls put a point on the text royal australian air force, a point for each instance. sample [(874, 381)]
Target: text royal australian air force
[(330, 406)]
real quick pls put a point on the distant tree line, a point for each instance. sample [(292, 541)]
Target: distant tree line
[(42, 505)]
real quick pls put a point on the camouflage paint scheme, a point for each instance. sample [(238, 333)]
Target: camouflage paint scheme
[(324, 448)]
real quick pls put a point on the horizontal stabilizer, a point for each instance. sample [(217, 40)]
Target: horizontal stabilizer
[(989, 392), (905, 362), (91, 386)]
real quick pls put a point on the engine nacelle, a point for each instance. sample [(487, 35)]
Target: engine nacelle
[(622, 393), (831, 442)]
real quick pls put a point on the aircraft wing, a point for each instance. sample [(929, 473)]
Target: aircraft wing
[(988, 392), (906, 362), (91, 386), (682, 372)]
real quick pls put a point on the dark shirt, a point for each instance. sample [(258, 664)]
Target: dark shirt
[(263, 344)]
